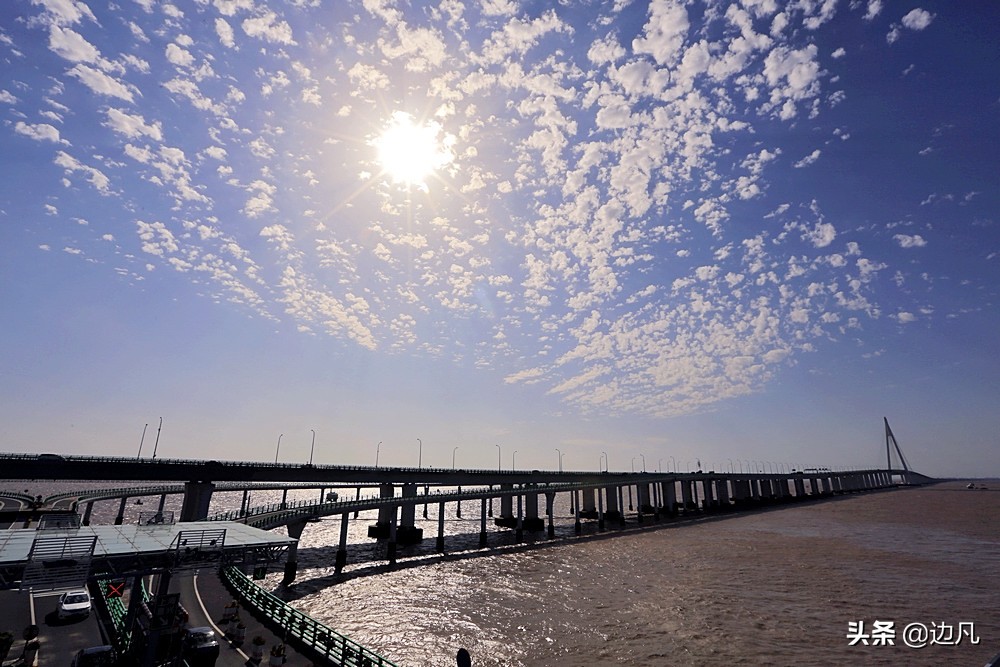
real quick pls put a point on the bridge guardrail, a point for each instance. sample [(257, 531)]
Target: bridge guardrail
[(334, 647)]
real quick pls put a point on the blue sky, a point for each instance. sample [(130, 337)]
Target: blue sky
[(718, 232)]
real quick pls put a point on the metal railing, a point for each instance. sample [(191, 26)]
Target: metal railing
[(330, 644)]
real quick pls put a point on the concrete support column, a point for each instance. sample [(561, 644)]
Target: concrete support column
[(284, 498), (611, 497), (440, 538), (766, 490), (621, 504), (686, 495), (357, 497), (197, 496), (386, 513), (657, 504), (292, 563), (670, 496), (407, 532), (243, 503), (86, 513), (550, 500), (532, 522), (507, 502), (600, 508), (577, 526), (163, 501), (722, 490), (120, 519), (800, 488), (342, 547), (589, 503), (642, 498), (390, 547), (458, 506), (482, 523), (519, 534), (709, 490)]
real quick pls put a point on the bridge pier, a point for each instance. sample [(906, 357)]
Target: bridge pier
[(621, 504), (342, 547), (550, 499), (532, 522), (292, 563), (708, 490), (577, 526), (600, 508), (440, 537), (381, 528), (197, 496), (86, 513), (519, 535), (357, 497), (612, 512), (589, 504), (482, 521), (284, 499), (120, 519), (506, 518), (458, 506), (800, 488), (723, 492), (390, 547), (686, 502), (407, 532), (669, 490)]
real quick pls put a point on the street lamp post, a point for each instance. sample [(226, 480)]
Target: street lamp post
[(660, 467), (560, 458), (453, 452), (513, 458), (278, 448), (605, 460), (420, 454), (157, 443), (498, 458), (377, 448), (137, 456), (730, 465), (643, 462), (633, 464), (312, 447), (673, 463)]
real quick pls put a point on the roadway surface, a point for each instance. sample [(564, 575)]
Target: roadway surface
[(60, 640)]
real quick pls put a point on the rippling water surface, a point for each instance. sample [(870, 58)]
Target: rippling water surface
[(777, 587)]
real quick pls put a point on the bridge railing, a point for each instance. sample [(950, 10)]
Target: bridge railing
[(328, 643)]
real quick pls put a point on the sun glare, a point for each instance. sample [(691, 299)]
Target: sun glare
[(410, 152)]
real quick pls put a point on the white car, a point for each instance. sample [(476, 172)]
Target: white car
[(74, 603)]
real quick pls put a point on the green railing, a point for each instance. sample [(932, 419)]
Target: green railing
[(334, 647)]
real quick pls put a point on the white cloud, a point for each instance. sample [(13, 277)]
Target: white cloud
[(908, 241), (225, 33), (873, 10), (808, 160), (917, 19), (821, 235), (101, 83), (133, 125), (268, 27), (70, 45), (39, 132)]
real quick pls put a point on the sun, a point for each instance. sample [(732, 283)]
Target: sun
[(409, 152)]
